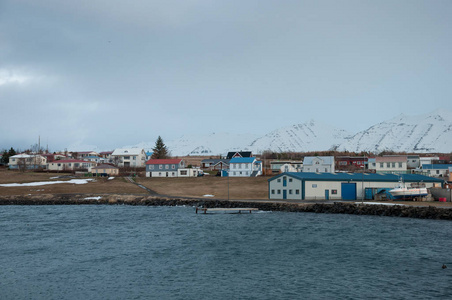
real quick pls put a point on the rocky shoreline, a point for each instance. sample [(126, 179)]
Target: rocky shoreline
[(429, 212)]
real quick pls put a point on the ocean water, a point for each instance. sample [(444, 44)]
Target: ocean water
[(130, 252)]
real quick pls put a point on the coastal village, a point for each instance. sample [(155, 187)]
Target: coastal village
[(381, 178)]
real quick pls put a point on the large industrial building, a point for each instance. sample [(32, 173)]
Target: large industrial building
[(339, 186)]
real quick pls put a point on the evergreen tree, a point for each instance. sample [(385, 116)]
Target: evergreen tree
[(7, 155), (4, 157), (160, 150)]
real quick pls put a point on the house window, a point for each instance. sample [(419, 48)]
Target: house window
[(160, 167), (174, 174), (233, 173), (290, 179), (279, 180), (183, 173), (400, 164), (314, 186), (151, 167), (334, 192), (126, 157), (134, 157), (373, 164), (247, 166), (437, 171), (166, 166), (297, 192), (273, 192), (393, 165), (290, 192), (279, 192), (247, 173), (381, 165), (173, 166), (326, 170), (388, 165)]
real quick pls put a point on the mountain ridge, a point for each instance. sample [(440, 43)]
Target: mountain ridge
[(431, 132)]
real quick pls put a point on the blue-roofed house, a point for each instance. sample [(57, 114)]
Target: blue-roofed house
[(245, 167), (318, 164), (339, 186)]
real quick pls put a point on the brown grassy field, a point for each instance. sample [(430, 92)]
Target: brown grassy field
[(99, 186), (239, 188)]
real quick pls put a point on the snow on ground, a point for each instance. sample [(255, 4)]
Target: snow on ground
[(93, 198), (208, 195), (73, 181), (111, 178)]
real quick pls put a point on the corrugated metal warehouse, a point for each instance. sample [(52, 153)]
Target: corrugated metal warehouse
[(339, 186)]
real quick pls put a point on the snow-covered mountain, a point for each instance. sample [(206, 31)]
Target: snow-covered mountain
[(425, 133), (211, 144), (310, 136)]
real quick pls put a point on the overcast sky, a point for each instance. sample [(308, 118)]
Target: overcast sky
[(111, 73)]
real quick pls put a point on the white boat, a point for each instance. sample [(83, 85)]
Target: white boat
[(403, 191)]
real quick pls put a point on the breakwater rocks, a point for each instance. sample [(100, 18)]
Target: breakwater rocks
[(424, 212)]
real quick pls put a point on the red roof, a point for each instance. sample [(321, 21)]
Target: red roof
[(163, 161)]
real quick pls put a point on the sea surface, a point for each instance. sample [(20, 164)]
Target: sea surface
[(131, 252)]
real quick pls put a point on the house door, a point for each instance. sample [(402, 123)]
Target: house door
[(166, 174), (284, 194), (327, 195)]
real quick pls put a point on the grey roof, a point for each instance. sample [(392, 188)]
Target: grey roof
[(215, 161)]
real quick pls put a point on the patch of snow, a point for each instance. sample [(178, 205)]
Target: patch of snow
[(93, 198), (110, 178), (208, 195), (73, 181)]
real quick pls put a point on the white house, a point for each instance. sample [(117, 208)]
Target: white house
[(130, 157), (70, 165), (278, 166), (294, 166), (245, 167), (189, 172), (436, 170), (391, 164), (318, 164), (27, 161), (425, 160)]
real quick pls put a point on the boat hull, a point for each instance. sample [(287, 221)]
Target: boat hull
[(408, 193)]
